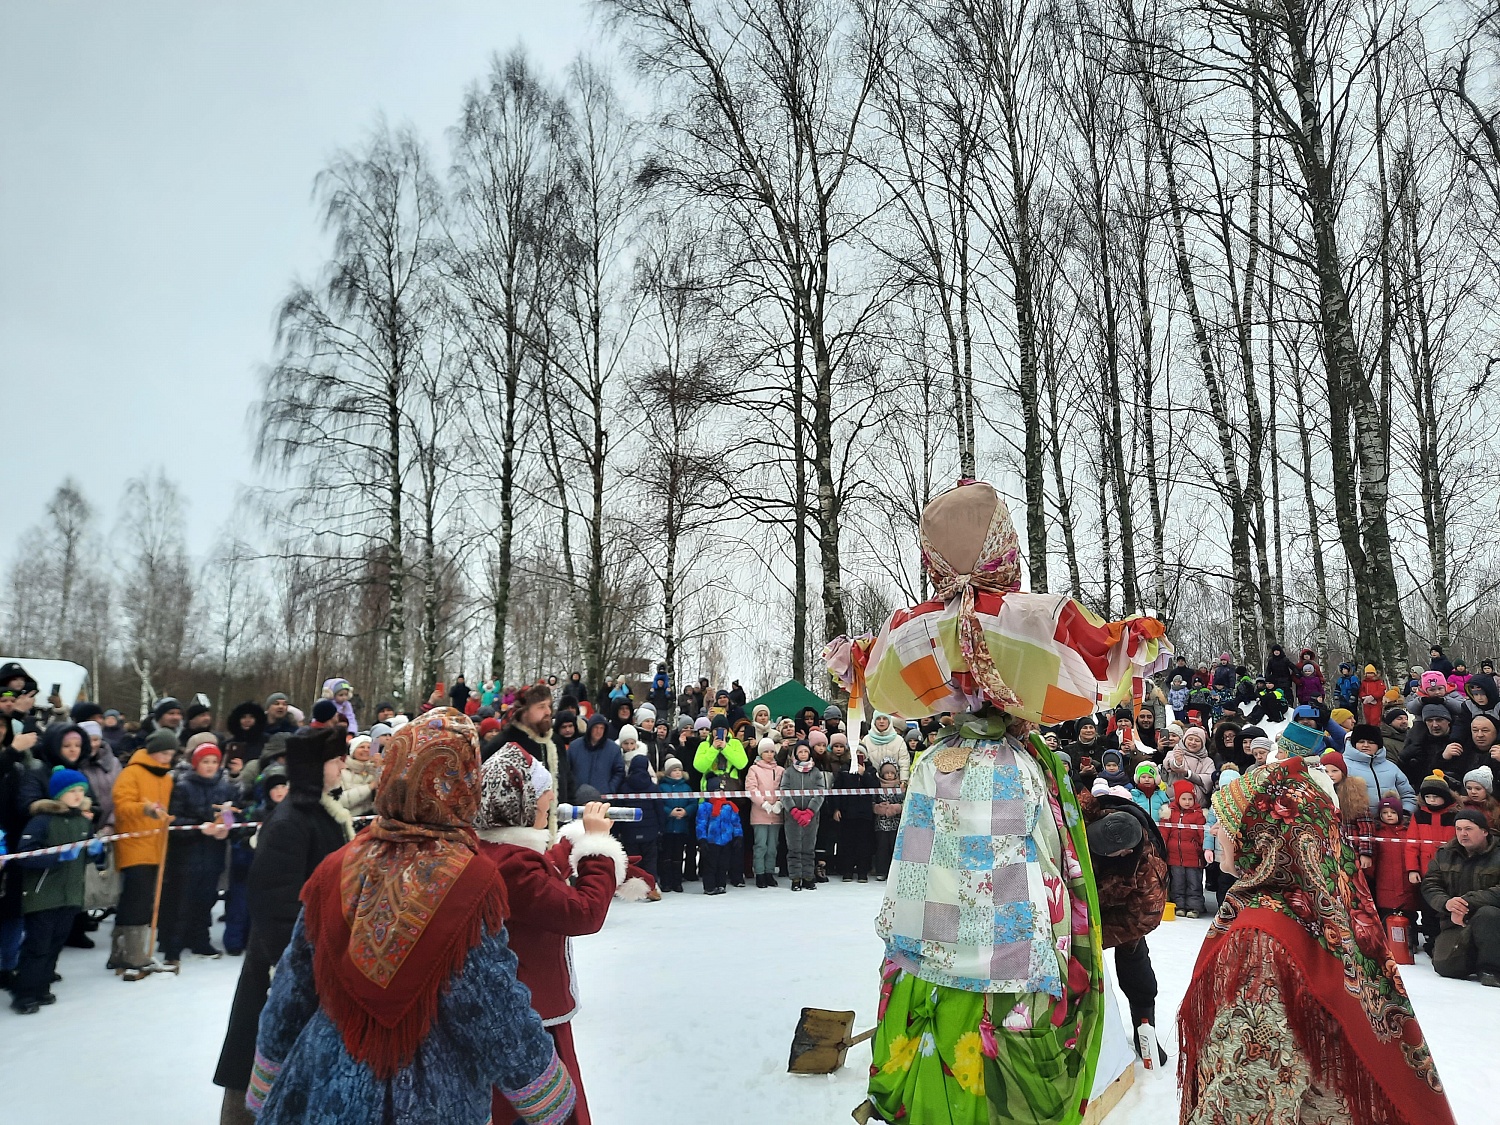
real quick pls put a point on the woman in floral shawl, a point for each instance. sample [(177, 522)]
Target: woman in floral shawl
[(397, 1000), (991, 997), (1296, 1014)]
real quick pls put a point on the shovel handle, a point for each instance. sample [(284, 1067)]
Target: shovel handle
[(861, 1037)]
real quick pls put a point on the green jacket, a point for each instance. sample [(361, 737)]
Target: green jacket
[(50, 880), (1454, 873)]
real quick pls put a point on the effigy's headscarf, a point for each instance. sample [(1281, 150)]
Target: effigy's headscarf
[(982, 640), (965, 552), (1299, 884), (393, 915)]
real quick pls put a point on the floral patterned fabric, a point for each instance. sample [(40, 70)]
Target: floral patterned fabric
[(1249, 1072), (1300, 916)]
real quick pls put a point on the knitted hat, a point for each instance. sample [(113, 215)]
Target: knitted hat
[(1335, 759), (684, 722), (273, 776), (1099, 786), (487, 727), (1391, 714), (1262, 742), (1227, 774), (383, 730), (1370, 670), (163, 706), (1436, 782), (766, 746), (1181, 786), (669, 765), (817, 739), (1391, 802), (275, 697), (832, 712), (1476, 815), (507, 796), (161, 739), (1433, 683), (62, 780), (1115, 832), (718, 722), (645, 715), (702, 722), (1485, 776), (1435, 711), (1341, 715), (1112, 753), (1145, 770), (324, 711), (202, 738), (628, 733), (1364, 732), (207, 750), (91, 728)]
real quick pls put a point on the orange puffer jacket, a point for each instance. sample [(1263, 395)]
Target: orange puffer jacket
[(140, 783)]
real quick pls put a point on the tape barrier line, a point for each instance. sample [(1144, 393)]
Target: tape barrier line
[(82, 845), (698, 795)]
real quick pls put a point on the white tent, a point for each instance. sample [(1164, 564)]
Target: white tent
[(71, 681)]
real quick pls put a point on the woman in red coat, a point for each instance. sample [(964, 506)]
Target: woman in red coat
[(546, 910)]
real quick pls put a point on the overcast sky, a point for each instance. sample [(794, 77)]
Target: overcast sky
[(156, 163)]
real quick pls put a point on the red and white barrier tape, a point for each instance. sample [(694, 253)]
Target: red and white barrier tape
[(696, 795), (110, 838)]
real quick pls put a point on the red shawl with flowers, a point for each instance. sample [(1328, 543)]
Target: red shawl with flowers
[(392, 916), (1302, 896)]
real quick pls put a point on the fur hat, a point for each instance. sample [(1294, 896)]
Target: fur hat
[(206, 750), (1485, 776), (531, 695), (1365, 732), (306, 753)]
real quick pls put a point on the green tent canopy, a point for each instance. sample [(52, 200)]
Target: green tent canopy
[(787, 700)]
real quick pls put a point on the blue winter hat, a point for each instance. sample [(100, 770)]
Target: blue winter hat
[(62, 780), (1300, 741), (1305, 712)]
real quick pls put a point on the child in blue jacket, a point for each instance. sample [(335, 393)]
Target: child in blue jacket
[(680, 815), (718, 825)]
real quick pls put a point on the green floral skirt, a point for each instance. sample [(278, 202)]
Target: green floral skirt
[(939, 1061)]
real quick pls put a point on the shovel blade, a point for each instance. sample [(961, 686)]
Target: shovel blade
[(820, 1042)]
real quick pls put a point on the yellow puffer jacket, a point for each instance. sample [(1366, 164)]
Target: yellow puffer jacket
[(139, 783)]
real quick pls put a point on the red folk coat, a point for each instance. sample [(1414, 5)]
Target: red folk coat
[(546, 909)]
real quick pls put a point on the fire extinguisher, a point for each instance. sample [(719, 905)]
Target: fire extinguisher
[(1398, 937)]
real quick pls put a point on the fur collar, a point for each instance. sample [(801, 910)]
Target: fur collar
[(48, 807), (533, 838), (339, 814)]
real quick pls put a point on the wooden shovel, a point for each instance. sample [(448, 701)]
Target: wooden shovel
[(821, 1041)]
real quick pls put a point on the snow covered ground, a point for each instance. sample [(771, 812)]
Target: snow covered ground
[(688, 1011)]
